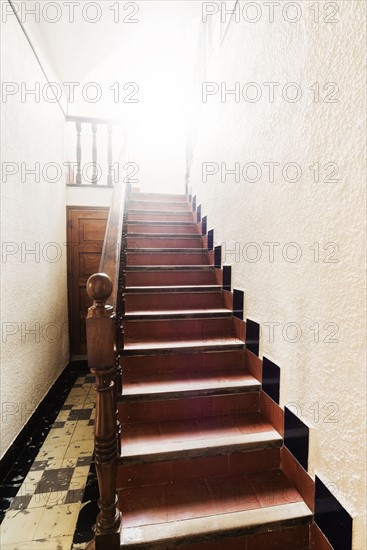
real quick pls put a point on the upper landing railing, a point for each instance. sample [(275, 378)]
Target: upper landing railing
[(97, 146)]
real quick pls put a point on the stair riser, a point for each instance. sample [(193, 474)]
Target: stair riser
[(196, 362), (157, 216), (157, 198), (205, 330), (167, 242), (173, 301), (173, 258), (168, 471), (195, 407), (162, 228), (155, 205), (163, 278), (279, 538)]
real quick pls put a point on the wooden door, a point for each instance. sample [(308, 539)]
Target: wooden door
[(85, 236)]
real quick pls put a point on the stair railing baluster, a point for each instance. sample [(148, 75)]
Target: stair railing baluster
[(100, 324), (96, 171), (94, 154), (109, 155), (78, 178)]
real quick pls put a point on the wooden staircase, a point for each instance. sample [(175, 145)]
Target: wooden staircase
[(200, 464)]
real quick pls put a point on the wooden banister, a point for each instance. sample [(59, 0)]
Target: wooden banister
[(90, 120), (104, 342), (105, 156)]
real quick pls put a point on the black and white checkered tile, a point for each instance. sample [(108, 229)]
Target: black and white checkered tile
[(44, 513)]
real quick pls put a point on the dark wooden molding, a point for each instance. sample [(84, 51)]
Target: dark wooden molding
[(227, 277), (296, 437), (271, 379), (211, 239), (58, 391), (218, 256), (332, 518), (204, 226), (252, 336), (238, 299), (198, 214)]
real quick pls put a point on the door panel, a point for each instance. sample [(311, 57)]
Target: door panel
[(86, 230)]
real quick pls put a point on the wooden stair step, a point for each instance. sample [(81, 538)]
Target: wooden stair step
[(159, 215), (188, 407), (147, 347), (179, 328), (166, 516), (146, 201), (170, 275), (177, 314), (172, 288), (162, 226), (160, 303), (158, 196), (199, 360), (170, 386), (162, 223), (166, 250), (150, 240), (184, 267), (190, 438), (166, 256), (160, 212), (165, 236), (156, 205)]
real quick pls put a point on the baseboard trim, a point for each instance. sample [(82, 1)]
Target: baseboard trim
[(69, 374)]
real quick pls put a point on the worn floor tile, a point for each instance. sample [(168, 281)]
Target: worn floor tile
[(58, 520), (44, 513), (17, 546), (53, 543), (20, 524), (79, 449)]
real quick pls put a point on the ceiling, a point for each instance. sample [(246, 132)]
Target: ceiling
[(73, 45)]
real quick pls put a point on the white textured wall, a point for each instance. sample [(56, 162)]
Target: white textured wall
[(328, 376), (77, 196), (34, 292)]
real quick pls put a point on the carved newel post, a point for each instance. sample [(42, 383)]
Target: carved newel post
[(100, 326)]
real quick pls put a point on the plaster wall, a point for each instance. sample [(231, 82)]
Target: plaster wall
[(33, 226), (77, 196), (314, 289)]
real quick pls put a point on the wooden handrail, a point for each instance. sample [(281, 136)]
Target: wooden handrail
[(111, 251), (104, 344), (91, 120)]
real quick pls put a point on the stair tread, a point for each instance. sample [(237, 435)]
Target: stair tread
[(193, 448), (156, 195), (182, 382), (164, 536), (135, 200), (166, 235), (171, 267), (167, 250), (213, 507), (173, 288), (163, 212), (179, 313), (173, 345), (160, 222), (197, 436)]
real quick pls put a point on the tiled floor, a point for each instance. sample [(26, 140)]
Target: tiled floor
[(57, 489)]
